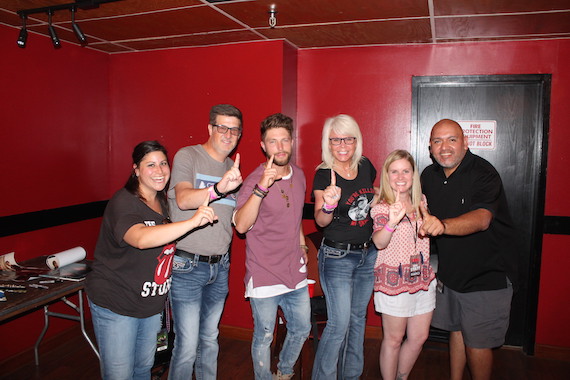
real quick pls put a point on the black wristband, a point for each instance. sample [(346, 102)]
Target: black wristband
[(257, 188), (218, 191), (258, 193)]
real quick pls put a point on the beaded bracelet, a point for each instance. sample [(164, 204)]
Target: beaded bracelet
[(260, 193), (264, 192), (323, 209), (304, 247), (218, 191)]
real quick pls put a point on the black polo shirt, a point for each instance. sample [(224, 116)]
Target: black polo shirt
[(479, 261)]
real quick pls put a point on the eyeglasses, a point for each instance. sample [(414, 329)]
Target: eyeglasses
[(236, 131), (346, 140)]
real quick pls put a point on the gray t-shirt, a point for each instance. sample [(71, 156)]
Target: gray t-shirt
[(193, 164)]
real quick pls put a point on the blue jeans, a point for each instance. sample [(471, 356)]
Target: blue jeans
[(347, 279), (198, 294), (127, 345), (296, 307)]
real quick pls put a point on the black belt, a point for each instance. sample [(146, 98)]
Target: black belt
[(194, 256), (348, 246)]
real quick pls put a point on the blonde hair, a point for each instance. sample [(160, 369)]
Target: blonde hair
[(342, 125), (386, 192)]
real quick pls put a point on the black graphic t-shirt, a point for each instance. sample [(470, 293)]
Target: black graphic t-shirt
[(351, 219), (127, 280)]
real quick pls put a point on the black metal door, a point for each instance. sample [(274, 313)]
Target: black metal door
[(519, 104)]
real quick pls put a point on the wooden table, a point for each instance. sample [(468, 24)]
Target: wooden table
[(34, 298)]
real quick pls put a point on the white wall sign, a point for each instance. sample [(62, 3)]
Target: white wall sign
[(480, 133)]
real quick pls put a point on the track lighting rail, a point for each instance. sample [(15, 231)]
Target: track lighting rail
[(81, 4), (50, 10)]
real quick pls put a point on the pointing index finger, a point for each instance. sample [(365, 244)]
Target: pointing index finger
[(236, 162), (270, 162), (333, 178), (397, 196), (423, 210)]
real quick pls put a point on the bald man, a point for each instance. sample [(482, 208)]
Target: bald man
[(471, 230)]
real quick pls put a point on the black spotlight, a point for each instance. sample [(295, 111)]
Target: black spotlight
[(53, 35), (23, 37), (78, 33)]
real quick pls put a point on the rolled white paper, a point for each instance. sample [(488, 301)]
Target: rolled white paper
[(64, 258), (8, 262)]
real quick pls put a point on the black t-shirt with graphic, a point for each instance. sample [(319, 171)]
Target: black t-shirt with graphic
[(351, 219), (127, 280)]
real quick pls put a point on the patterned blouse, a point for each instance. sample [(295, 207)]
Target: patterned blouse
[(392, 268)]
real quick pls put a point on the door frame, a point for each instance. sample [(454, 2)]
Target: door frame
[(543, 123)]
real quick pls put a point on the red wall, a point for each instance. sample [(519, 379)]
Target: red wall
[(54, 122), (71, 118), (373, 84), (553, 308), (55, 141), (168, 95)]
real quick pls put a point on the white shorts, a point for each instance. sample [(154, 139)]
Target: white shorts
[(406, 304)]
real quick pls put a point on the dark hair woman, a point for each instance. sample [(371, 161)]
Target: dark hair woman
[(128, 285)]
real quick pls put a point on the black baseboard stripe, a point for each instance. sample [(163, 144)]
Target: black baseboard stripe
[(557, 225), (309, 211), (31, 221)]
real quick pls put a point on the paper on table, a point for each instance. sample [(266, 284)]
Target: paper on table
[(8, 261), (64, 258)]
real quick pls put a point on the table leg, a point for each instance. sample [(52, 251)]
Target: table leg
[(37, 345), (78, 318), (82, 324)]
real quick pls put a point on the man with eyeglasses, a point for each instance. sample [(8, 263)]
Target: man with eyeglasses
[(201, 263)]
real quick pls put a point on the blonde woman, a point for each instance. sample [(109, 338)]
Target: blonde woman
[(404, 285), (343, 189)]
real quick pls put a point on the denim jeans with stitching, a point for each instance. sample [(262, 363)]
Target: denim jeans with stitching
[(127, 345), (296, 307), (347, 279), (197, 294)]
